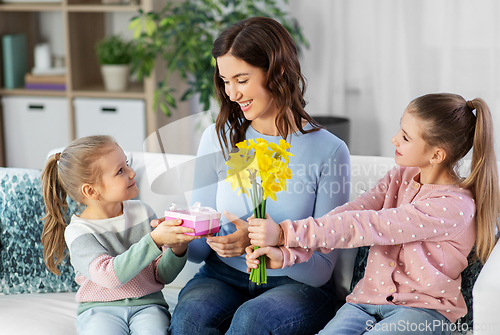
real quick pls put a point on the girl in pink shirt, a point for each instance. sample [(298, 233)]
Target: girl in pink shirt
[(421, 221)]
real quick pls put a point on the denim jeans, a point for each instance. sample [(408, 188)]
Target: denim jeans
[(121, 320), (386, 319), (220, 299)]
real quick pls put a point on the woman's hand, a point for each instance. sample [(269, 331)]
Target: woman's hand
[(274, 259), (264, 232), (233, 244)]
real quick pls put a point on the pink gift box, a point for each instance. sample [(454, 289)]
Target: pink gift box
[(203, 221)]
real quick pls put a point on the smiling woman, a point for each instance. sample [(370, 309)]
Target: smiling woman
[(260, 89)]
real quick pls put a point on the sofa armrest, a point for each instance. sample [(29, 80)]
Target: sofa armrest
[(486, 296)]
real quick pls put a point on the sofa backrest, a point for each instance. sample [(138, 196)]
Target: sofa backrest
[(163, 179)]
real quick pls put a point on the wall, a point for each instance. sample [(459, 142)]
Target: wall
[(368, 59)]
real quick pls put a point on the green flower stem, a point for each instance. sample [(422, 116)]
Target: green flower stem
[(259, 275), (254, 198)]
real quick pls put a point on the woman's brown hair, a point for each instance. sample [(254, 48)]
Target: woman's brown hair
[(63, 175), (263, 43), (450, 122)]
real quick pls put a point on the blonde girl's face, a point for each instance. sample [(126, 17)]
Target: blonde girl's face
[(118, 178), (411, 149), (246, 85)]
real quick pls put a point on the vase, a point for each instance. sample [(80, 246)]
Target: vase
[(115, 77)]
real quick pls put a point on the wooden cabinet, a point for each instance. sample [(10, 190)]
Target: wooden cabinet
[(83, 24)]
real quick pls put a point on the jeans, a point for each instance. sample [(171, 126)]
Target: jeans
[(118, 320), (220, 299), (386, 319)]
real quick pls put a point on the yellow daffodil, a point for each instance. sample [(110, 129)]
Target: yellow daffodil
[(239, 179), (281, 150), (270, 187), (243, 145), (260, 170), (266, 165), (283, 173), (261, 148)]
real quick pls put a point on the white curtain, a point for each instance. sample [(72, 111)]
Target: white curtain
[(369, 58)]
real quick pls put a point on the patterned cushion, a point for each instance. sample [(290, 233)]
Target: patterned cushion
[(22, 269), (469, 276)]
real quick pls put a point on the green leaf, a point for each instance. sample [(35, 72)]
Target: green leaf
[(169, 98), (165, 109), (188, 94), (150, 26), (136, 26)]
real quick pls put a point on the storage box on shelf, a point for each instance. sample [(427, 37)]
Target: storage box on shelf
[(33, 126), (84, 22), (124, 119)]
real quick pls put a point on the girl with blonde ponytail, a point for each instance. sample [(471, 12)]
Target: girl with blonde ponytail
[(120, 263), (421, 222), (483, 180)]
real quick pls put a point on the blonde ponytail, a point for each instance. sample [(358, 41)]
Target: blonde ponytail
[(483, 180), (54, 196), (63, 175)]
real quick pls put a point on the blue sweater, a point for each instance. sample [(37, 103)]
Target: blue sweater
[(320, 182)]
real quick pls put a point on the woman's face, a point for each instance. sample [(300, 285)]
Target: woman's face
[(245, 84)]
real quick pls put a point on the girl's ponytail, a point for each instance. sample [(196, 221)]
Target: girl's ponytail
[(63, 175), (452, 125), (54, 196), (483, 180)]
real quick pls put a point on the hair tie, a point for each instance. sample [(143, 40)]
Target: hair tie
[(58, 156), (470, 104)]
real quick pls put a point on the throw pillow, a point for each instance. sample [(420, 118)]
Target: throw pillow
[(469, 276), (21, 259)]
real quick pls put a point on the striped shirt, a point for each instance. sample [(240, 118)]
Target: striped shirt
[(117, 262)]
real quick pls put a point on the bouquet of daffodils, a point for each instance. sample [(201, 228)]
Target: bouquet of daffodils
[(260, 170)]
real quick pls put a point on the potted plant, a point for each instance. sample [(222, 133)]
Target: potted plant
[(114, 55), (182, 33)]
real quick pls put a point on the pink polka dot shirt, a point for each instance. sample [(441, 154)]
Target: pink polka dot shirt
[(420, 237)]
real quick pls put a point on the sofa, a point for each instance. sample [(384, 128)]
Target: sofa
[(34, 301)]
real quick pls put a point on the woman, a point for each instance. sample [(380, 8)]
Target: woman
[(260, 89)]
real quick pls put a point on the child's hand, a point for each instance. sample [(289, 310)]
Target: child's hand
[(274, 259), (180, 250), (264, 232), (171, 234), (154, 223)]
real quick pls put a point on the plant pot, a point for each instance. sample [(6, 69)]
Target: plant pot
[(115, 77)]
